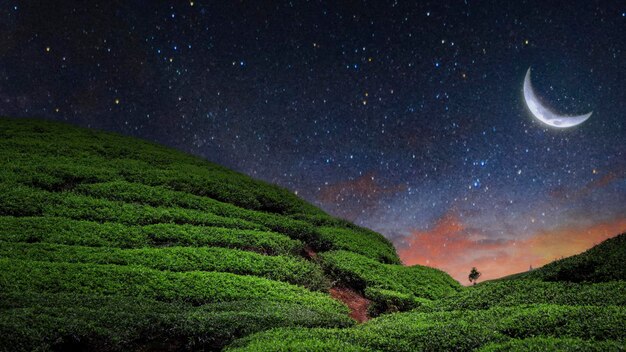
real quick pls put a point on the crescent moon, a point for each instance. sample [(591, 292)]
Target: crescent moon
[(545, 115)]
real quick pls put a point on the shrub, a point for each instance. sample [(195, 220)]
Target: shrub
[(88, 233), (62, 321), (520, 292), (457, 330), (388, 301), (161, 196), (20, 201), (549, 344), (360, 272), (297, 339), (367, 243), (194, 287), (288, 269)]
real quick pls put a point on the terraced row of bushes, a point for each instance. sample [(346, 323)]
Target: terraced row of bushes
[(111, 243), (161, 196), (288, 269), (129, 208), (390, 287), (368, 243), (553, 344), (68, 321), (26, 201), (149, 164), (454, 330), (57, 158), (522, 292), (196, 287), (88, 233), (68, 305)]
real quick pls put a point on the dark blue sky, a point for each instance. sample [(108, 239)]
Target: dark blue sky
[(406, 118)]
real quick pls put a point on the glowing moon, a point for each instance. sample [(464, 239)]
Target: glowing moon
[(545, 115)]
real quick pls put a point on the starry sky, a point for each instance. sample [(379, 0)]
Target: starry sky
[(404, 117)]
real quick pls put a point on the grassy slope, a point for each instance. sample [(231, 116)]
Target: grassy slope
[(113, 243), (604, 262), (538, 311)]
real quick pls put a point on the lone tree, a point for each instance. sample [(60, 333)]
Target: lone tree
[(474, 275)]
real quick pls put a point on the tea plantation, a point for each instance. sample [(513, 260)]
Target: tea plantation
[(109, 243)]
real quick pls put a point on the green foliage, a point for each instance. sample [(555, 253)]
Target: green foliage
[(457, 330), (551, 344), (388, 301), (195, 287), (57, 157), (288, 269), (520, 292), (20, 201), (66, 321), (407, 283), (602, 263), (113, 243), (161, 196), (126, 223), (364, 242), (88, 233), (474, 275), (286, 340), (587, 322)]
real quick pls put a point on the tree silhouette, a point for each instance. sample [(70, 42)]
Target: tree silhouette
[(474, 275)]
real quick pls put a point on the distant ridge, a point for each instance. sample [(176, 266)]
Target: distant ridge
[(601, 263)]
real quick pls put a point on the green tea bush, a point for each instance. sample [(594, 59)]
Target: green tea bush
[(63, 321), (388, 301), (367, 243), (587, 322), (63, 174), (511, 293), (25, 201), (281, 268), (87, 208), (195, 287), (287, 340), (552, 344), (189, 235), (20, 201), (161, 196), (457, 330), (360, 272), (88, 233)]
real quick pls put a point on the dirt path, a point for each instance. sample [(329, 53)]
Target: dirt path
[(358, 304)]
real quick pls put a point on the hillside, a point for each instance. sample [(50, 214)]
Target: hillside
[(604, 262), (519, 313), (109, 243), (113, 243)]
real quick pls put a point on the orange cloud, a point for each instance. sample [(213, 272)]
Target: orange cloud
[(452, 247)]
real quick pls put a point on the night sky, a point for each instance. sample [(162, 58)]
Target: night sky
[(405, 118)]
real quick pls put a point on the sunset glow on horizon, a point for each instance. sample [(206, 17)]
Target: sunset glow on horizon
[(450, 247)]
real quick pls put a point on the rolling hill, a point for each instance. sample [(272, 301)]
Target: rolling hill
[(111, 243), (604, 262), (558, 307)]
